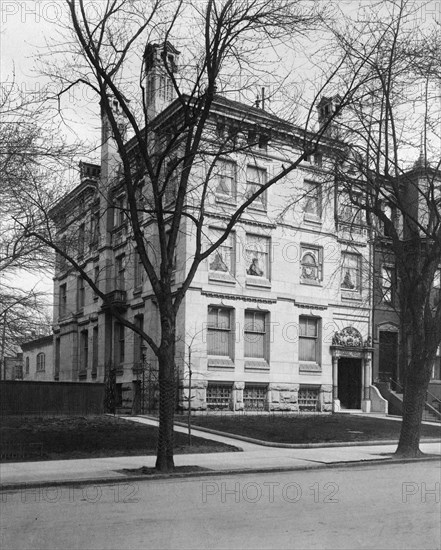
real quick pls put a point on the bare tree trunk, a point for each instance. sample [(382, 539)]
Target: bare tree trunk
[(167, 387), (414, 398)]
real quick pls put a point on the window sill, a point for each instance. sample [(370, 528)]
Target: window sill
[(351, 295), (258, 282), (220, 363), (310, 282), (312, 218), (225, 199), (137, 290), (257, 208), (256, 365), (310, 368), (222, 277)]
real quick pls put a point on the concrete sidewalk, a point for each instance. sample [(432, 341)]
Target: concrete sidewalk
[(253, 457)]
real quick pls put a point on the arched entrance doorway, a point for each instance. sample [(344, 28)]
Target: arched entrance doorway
[(352, 370)]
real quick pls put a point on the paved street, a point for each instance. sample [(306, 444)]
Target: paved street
[(393, 506)]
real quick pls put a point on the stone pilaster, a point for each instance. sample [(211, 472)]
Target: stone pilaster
[(238, 388)]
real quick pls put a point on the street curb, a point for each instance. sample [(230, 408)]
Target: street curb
[(8, 487), (292, 445)]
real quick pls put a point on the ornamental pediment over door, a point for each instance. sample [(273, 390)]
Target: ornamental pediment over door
[(349, 337)]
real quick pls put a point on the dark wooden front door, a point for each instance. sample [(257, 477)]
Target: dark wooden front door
[(388, 357), (349, 382)]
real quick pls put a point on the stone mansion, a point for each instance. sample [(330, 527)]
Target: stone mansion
[(279, 318)]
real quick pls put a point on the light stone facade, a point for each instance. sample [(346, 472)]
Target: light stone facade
[(295, 277)]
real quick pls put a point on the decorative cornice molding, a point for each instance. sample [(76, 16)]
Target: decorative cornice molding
[(238, 297), (243, 221), (310, 306)]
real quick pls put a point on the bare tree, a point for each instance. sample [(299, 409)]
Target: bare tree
[(391, 172), (167, 169), (32, 157)]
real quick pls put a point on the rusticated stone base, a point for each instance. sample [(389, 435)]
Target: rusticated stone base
[(238, 388), (283, 397), (198, 395), (326, 400)]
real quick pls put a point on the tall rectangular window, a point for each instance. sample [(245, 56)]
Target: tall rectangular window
[(312, 199), (171, 182), (95, 334), (81, 292), (351, 271), (119, 211), (84, 351), (137, 341), (120, 273), (81, 238), (390, 212), (94, 230), (258, 256), (63, 300), (120, 343), (57, 358), (96, 279), (256, 178), (309, 344), (219, 331), (223, 259), (348, 210), (255, 330), (41, 362), (139, 271), (387, 283), (224, 173)]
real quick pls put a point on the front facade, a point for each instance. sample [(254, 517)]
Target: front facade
[(279, 318)]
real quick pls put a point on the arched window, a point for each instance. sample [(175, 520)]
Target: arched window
[(41, 362), (27, 365), (309, 266)]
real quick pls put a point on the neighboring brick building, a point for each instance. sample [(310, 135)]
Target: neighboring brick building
[(389, 339)]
